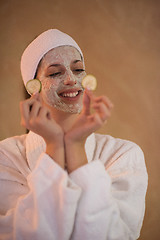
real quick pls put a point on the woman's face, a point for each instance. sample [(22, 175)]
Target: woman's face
[(61, 71)]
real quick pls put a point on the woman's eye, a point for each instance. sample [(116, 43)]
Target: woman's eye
[(79, 70), (54, 74)]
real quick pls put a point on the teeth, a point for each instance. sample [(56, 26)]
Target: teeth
[(73, 94)]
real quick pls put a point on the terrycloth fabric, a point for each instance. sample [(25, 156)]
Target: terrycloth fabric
[(104, 199), (32, 55)]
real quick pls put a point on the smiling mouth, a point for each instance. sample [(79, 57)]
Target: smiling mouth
[(70, 94)]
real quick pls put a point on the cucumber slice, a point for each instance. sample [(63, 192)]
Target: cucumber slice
[(33, 86), (90, 82)]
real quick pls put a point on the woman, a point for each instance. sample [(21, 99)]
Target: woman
[(61, 181)]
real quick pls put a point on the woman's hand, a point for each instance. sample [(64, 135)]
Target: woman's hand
[(85, 124), (37, 118), (88, 122)]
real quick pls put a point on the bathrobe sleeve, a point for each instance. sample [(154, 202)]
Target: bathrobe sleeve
[(46, 210), (112, 202)]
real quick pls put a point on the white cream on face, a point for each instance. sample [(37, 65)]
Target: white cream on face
[(60, 71)]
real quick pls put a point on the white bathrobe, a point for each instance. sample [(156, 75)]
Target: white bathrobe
[(104, 199)]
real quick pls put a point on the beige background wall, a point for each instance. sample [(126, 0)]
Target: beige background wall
[(121, 44)]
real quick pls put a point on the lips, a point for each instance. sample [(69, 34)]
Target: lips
[(70, 94)]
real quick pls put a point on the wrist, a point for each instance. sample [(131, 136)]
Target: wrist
[(75, 154), (71, 141), (56, 151), (55, 141)]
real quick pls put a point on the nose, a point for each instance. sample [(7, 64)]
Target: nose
[(70, 80)]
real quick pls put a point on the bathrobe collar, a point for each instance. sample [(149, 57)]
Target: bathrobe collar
[(35, 145)]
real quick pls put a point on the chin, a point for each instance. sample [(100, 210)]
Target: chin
[(69, 108)]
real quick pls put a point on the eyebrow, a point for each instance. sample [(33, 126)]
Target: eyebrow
[(77, 61), (54, 65), (57, 64)]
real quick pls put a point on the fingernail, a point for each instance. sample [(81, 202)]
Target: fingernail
[(88, 88), (35, 94)]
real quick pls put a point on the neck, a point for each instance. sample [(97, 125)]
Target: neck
[(64, 119)]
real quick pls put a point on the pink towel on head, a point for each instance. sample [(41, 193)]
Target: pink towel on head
[(46, 41)]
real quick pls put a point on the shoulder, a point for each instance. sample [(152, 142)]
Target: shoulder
[(12, 150), (13, 143), (113, 143), (115, 150)]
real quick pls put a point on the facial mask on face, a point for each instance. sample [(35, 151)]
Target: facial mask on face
[(55, 101), (52, 86)]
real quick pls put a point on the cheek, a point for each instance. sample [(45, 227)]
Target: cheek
[(80, 77), (49, 90), (49, 84)]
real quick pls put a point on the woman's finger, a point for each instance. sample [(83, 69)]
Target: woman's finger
[(103, 111), (96, 99), (86, 103), (44, 113), (105, 100), (95, 121), (34, 110), (25, 107), (90, 94), (38, 97), (29, 109)]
